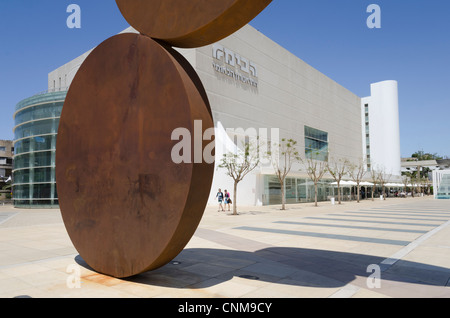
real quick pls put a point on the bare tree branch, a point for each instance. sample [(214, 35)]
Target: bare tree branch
[(315, 170), (239, 164), (338, 168), (282, 157), (357, 173)]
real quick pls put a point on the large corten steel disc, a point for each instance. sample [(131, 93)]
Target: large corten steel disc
[(190, 23), (128, 208)]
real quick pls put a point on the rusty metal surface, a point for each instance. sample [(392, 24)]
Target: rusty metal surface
[(128, 208), (192, 23)]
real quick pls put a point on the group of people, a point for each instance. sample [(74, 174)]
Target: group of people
[(224, 198)]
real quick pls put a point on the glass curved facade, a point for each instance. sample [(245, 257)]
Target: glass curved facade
[(36, 127)]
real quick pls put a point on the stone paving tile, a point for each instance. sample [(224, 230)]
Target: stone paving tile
[(288, 288), (233, 288), (302, 252)]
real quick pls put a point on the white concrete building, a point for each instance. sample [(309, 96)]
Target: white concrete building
[(381, 133), (253, 83)]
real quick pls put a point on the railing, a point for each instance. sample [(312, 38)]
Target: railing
[(37, 98), (53, 90)]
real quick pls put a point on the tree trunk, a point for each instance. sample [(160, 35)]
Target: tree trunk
[(315, 193), (373, 190), (234, 198), (339, 193), (283, 196), (358, 191)]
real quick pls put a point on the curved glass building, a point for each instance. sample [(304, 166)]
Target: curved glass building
[(36, 127)]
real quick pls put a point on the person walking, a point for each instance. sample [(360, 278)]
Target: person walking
[(219, 197), (227, 199)]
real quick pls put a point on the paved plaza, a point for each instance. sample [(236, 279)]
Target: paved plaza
[(393, 248)]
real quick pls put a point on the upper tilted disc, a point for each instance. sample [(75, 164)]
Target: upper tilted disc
[(190, 23)]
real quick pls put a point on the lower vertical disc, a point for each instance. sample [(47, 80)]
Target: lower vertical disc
[(127, 206)]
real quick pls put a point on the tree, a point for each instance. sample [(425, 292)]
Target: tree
[(383, 178), (422, 172), (405, 180), (374, 180), (282, 157), (410, 176), (315, 170), (338, 169), (421, 156), (426, 185), (240, 163), (413, 186), (357, 172)]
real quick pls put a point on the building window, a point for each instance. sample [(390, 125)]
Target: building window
[(366, 111), (316, 144), (298, 190), (34, 149)]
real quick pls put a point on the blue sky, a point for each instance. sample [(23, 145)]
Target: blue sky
[(412, 47)]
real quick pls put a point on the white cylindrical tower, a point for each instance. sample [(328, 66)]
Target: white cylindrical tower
[(384, 127)]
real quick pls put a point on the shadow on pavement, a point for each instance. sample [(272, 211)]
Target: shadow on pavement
[(202, 268)]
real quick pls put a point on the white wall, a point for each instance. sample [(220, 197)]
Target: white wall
[(290, 94), (384, 127), (64, 75)]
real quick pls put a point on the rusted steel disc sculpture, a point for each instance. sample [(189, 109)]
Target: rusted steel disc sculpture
[(127, 207), (190, 23)]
